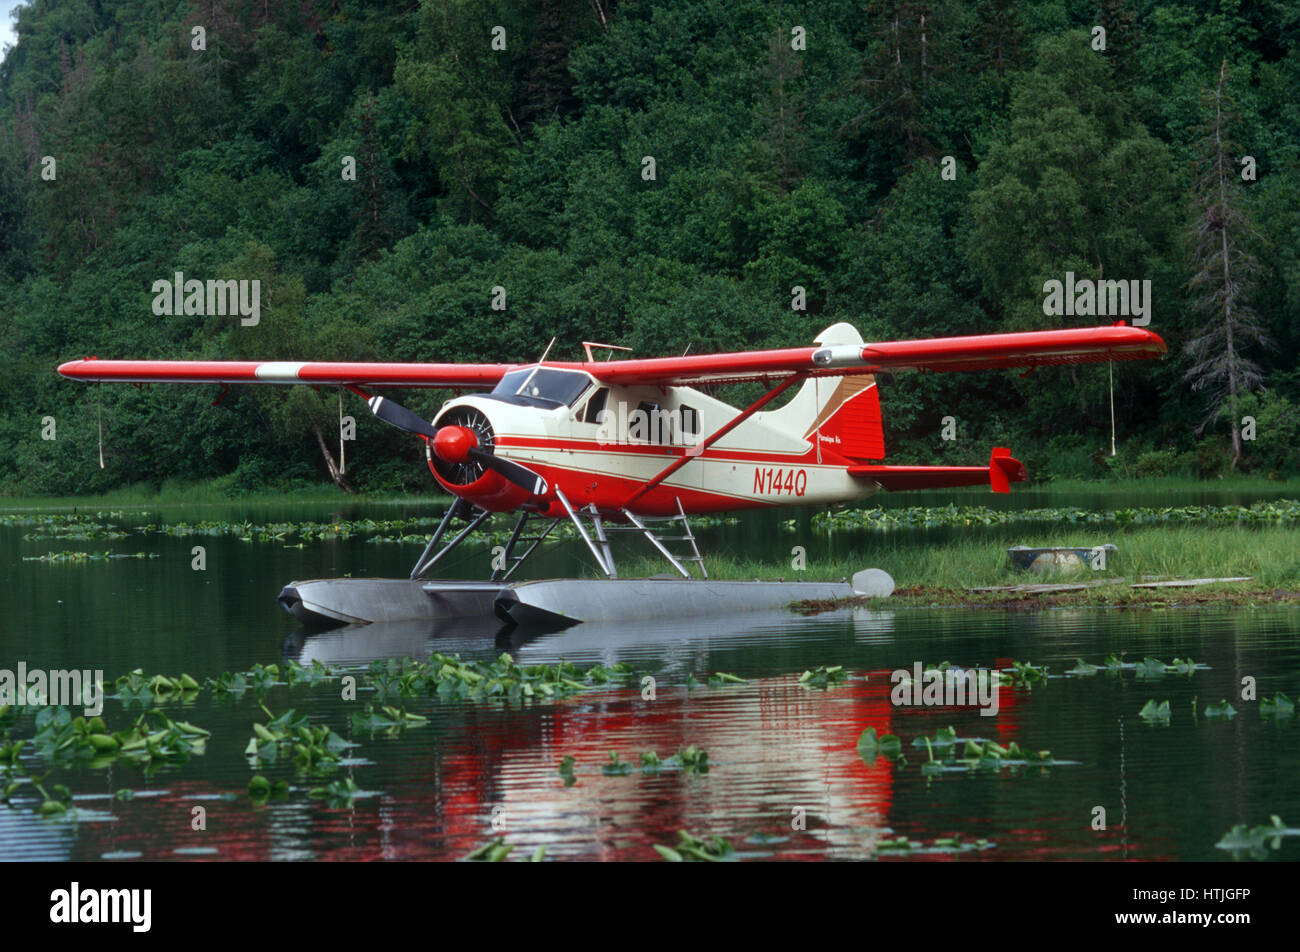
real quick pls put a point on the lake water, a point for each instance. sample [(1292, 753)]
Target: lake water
[(782, 754)]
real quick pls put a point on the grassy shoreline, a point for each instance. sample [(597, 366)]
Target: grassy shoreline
[(941, 574), (1245, 595)]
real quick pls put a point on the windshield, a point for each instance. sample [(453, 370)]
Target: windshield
[(542, 386)]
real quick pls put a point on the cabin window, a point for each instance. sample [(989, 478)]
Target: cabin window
[(643, 424), (591, 413), (690, 421)]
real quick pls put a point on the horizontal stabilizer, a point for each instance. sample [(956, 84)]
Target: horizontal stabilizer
[(1003, 469)]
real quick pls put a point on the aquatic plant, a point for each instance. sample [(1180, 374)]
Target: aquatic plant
[(1024, 673), (338, 793), (296, 673), (902, 846), (942, 666), (260, 678), (237, 682), (1146, 668), (689, 760), (692, 759), (493, 851), (312, 748), (229, 682), (138, 687), (1222, 709), (1283, 512), (566, 771), (977, 753), (615, 767), (1153, 712), (823, 676), (870, 746), (1242, 838), (68, 556), (1279, 705), (496, 851), (388, 720), (450, 678), (691, 848), (56, 801), (722, 677), (153, 739), (260, 789)]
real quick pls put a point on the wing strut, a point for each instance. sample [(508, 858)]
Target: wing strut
[(429, 557)]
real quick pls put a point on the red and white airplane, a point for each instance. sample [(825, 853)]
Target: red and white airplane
[(630, 439)]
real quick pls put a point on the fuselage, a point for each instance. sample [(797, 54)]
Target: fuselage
[(601, 445)]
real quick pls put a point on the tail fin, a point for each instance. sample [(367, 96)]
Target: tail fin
[(841, 414)]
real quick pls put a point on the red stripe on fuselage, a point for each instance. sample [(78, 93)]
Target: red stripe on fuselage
[(668, 453)]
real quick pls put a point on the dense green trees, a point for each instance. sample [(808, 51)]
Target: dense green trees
[(657, 174)]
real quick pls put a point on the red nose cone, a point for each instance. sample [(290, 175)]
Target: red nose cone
[(452, 444)]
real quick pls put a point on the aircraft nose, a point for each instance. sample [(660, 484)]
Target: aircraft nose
[(452, 443)]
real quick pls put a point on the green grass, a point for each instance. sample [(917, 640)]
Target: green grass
[(1271, 555), (941, 572)]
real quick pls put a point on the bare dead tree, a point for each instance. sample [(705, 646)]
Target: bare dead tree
[(1223, 271)]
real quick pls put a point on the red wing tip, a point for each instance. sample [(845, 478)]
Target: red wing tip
[(1151, 337)]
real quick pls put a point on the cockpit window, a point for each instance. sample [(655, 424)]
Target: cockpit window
[(542, 387)]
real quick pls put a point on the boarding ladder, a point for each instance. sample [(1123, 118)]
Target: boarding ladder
[(597, 539), (692, 549)]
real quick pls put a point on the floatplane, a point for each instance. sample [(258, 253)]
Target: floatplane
[(635, 445)]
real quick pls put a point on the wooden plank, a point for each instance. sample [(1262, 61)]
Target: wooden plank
[(1048, 587), (1190, 583)]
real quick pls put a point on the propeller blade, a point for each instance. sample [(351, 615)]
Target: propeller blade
[(521, 476), (400, 417)]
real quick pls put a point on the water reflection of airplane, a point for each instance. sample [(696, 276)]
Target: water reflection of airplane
[(774, 743), (588, 642), (504, 758)]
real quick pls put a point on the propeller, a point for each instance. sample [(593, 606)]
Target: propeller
[(456, 444), (400, 417)]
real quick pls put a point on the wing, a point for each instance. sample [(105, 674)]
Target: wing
[(941, 354), (470, 376)]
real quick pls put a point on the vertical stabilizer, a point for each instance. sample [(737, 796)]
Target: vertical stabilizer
[(840, 414)]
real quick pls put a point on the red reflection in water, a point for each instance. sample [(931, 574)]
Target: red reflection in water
[(775, 748)]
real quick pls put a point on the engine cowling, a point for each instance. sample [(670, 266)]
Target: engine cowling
[(467, 427)]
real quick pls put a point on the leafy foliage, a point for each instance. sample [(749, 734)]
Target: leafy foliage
[(521, 165)]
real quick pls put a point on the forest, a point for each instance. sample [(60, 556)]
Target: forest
[(463, 180)]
